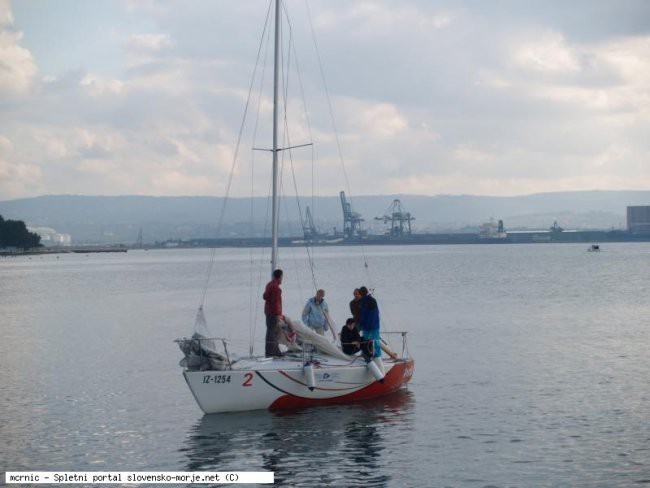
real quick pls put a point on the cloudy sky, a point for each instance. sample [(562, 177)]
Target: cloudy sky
[(429, 97)]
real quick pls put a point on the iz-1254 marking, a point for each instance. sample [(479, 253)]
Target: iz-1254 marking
[(216, 378)]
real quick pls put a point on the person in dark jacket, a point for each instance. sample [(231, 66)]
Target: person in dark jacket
[(273, 311), (354, 305), (369, 321), (350, 337)]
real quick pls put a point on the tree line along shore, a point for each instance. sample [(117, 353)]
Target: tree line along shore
[(15, 236)]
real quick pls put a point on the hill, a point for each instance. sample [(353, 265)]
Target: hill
[(110, 219)]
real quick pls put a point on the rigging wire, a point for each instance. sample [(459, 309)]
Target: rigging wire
[(288, 141), (333, 121), (367, 270), (266, 33), (307, 120), (234, 164), (263, 251)]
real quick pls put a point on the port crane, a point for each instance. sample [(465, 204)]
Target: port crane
[(399, 219), (351, 220), (308, 226)]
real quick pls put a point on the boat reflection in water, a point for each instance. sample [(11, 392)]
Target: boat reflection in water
[(344, 445)]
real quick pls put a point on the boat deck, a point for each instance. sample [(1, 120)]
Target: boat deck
[(295, 361)]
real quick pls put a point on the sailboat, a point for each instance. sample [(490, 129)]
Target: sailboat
[(313, 371)]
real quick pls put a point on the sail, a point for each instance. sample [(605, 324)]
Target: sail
[(202, 334), (201, 351), (321, 343)]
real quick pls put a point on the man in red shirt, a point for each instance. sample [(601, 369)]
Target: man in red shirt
[(273, 311)]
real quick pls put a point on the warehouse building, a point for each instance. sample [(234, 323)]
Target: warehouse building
[(638, 219)]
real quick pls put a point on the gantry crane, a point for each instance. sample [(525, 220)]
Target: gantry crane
[(308, 226), (400, 219), (351, 220)]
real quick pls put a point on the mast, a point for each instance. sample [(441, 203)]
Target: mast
[(275, 212)]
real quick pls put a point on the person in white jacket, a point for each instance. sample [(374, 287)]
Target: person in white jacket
[(316, 316)]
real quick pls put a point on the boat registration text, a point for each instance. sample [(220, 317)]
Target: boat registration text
[(216, 378)]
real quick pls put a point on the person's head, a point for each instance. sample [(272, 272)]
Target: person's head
[(363, 291), (349, 323), (320, 295), (356, 294), (277, 275)]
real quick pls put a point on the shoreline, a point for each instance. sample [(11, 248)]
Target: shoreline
[(530, 237)]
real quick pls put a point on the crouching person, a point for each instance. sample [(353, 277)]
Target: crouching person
[(350, 338)]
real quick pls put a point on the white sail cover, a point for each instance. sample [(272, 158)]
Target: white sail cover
[(321, 343)]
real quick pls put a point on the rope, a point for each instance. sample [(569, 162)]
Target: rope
[(333, 121), (367, 271), (288, 143)]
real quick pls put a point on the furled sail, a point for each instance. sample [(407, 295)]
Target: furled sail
[(321, 343), (201, 351)]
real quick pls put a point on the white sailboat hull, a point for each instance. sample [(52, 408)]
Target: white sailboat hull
[(282, 384)]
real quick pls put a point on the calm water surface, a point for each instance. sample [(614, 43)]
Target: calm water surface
[(532, 366)]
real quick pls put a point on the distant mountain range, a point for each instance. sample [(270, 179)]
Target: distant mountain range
[(102, 219)]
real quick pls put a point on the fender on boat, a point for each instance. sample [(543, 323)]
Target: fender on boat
[(380, 365), (375, 371), (308, 370)]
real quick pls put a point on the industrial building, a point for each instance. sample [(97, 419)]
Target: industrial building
[(638, 219)]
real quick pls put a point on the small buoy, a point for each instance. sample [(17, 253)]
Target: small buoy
[(308, 369), (380, 365), (376, 372)]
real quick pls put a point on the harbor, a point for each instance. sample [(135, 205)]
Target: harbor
[(399, 232)]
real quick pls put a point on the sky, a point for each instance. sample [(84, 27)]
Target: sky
[(143, 97)]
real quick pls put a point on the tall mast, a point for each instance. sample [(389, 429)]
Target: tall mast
[(275, 214)]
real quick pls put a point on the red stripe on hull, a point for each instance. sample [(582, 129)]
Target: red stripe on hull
[(398, 376)]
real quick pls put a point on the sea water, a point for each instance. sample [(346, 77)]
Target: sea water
[(532, 365)]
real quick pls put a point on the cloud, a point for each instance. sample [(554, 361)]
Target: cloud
[(150, 7), (612, 76), (6, 16), (468, 153), (180, 183), (97, 86), (16, 180), (150, 42), (17, 67), (381, 119), (145, 49), (370, 16), (549, 54), (455, 97), (5, 144), (51, 145)]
